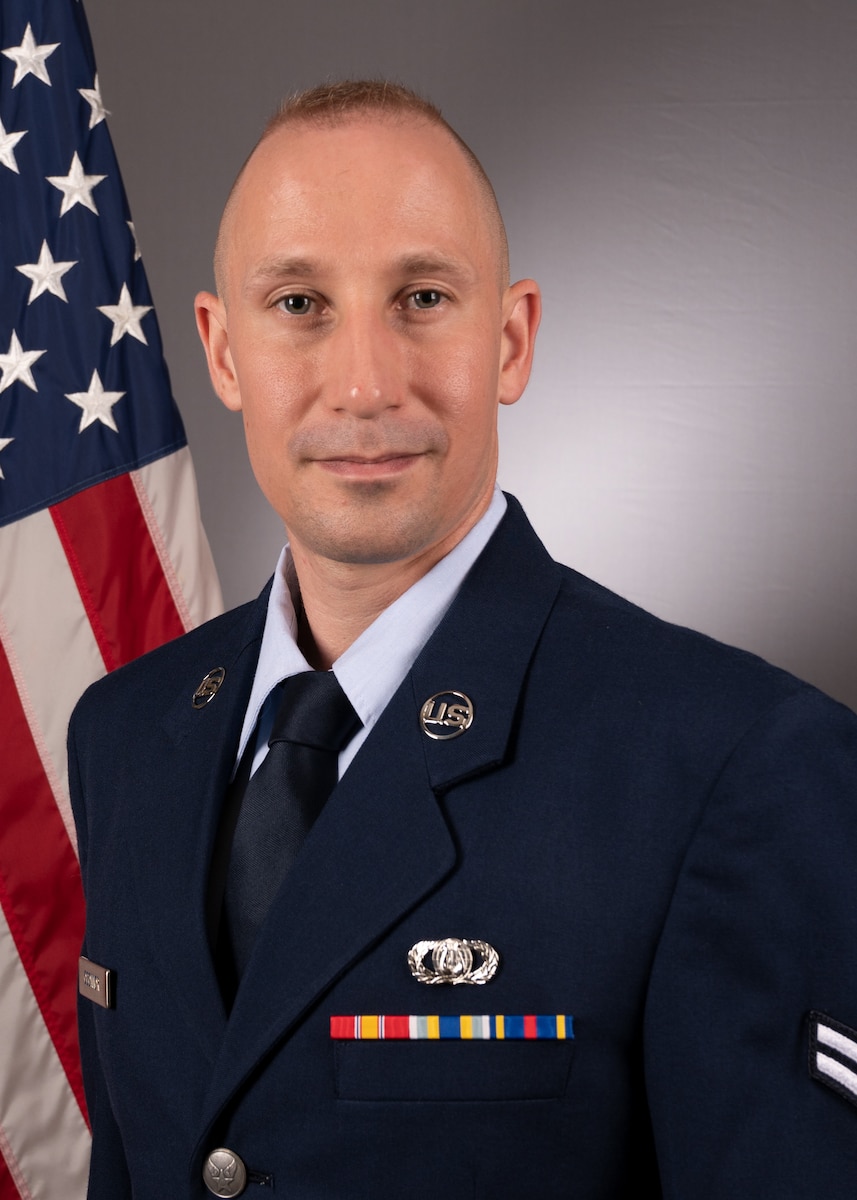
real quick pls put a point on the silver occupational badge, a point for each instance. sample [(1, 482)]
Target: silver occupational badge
[(446, 715), (209, 687), (452, 961)]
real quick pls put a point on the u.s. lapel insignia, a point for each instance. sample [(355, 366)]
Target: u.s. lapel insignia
[(453, 961), (446, 715), (209, 687)]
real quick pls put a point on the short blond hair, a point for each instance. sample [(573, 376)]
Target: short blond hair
[(333, 103)]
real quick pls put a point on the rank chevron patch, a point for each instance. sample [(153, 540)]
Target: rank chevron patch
[(833, 1055), (484, 1027)]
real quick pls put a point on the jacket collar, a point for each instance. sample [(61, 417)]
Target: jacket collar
[(484, 646)]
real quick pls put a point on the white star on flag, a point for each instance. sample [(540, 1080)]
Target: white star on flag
[(29, 59), (4, 442), (46, 275), (126, 317), (92, 96), (76, 187), (97, 404), (8, 142), (16, 365)]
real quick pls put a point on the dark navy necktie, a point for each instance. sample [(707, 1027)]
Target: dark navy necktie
[(314, 721)]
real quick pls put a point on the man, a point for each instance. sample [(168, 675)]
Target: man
[(579, 917)]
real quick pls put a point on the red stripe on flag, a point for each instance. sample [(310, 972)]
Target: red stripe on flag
[(117, 570), (40, 890), (8, 1191)]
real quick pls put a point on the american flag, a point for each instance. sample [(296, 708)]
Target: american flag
[(101, 552)]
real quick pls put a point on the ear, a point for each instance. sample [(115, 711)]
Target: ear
[(522, 311), (211, 323)]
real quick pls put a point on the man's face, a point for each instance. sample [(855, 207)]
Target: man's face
[(366, 335)]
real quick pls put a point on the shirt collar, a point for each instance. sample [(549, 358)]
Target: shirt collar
[(373, 666)]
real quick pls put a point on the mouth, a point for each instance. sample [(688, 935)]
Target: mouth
[(379, 466)]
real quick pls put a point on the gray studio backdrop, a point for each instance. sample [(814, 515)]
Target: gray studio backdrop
[(680, 177)]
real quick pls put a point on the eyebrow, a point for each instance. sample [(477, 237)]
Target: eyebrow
[(410, 264), (279, 268), (434, 265)]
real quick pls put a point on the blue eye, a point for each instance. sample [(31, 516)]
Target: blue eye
[(426, 298)]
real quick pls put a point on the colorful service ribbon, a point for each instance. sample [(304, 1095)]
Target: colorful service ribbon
[(378, 1027)]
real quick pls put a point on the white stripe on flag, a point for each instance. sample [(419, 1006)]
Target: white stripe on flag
[(48, 641), (167, 493), (837, 1041), (34, 1092)]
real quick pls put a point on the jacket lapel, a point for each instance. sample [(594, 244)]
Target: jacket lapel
[(378, 847), (197, 754), (484, 646), (382, 843)]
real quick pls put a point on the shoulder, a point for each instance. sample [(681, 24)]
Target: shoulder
[(155, 676), (635, 660), (601, 654)]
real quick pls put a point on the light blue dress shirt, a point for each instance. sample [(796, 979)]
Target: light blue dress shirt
[(374, 665)]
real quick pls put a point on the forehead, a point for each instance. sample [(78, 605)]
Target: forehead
[(367, 182)]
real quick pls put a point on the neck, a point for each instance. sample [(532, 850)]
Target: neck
[(340, 600)]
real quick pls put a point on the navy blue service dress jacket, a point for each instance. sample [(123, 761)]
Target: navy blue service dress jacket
[(657, 834)]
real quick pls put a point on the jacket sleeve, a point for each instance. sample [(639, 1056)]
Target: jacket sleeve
[(761, 935), (108, 1171)]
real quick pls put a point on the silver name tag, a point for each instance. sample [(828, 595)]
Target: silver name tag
[(96, 983)]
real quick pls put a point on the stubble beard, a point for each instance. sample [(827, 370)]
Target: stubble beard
[(368, 526), (369, 521)]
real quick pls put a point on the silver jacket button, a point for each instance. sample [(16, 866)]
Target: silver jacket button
[(224, 1173)]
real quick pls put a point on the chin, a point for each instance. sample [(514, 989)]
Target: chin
[(361, 538), (371, 550)]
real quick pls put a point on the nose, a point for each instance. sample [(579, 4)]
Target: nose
[(365, 367)]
